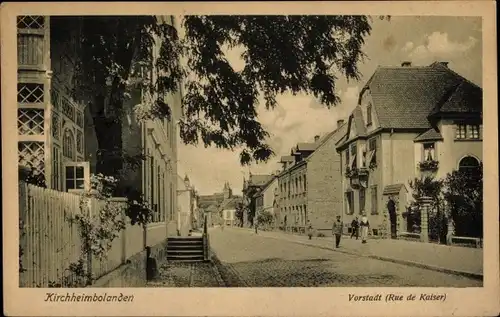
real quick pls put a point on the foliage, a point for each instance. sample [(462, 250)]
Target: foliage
[(22, 233), (32, 176), (351, 172), (239, 213), (427, 186), (295, 54), (372, 165), (265, 218), (428, 165), (464, 195), (98, 230)]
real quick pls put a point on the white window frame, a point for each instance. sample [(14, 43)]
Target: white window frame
[(86, 176)]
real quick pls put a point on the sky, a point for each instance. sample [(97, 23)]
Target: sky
[(421, 40)]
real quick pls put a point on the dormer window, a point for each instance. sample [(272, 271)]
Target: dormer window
[(369, 115)]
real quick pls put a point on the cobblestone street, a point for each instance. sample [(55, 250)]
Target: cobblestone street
[(265, 262), (186, 274)]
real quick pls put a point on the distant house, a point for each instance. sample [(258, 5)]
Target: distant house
[(266, 200), (220, 208), (254, 184), (409, 122), (324, 196), (292, 183)]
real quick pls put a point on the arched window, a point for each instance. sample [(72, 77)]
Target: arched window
[(68, 144), (468, 163)]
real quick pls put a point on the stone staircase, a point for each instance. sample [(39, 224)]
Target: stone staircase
[(186, 249)]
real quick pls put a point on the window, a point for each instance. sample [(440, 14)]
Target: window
[(171, 202), (350, 202), (461, 131), (159, 210), (363, 155), (151, 182), (56, 161), (305, 183), (347, 157), (369, 115), (362, 199), (429, 152), (468, 163), (471, 131), (374, 200), (352, 162), (68, 144), (77, 176), (372, 151)]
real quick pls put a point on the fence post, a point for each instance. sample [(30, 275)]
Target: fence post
[(425, 203)]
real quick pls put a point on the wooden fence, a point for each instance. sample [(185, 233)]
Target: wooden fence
[(50, 243)]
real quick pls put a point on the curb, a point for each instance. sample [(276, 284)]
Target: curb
[(227, 273), (472, 275)]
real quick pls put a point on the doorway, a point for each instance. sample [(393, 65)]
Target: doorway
[(391, 208)]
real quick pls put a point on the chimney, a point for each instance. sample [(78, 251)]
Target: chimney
[(444, 64), (406, 64), (316, 138), (339, 123)]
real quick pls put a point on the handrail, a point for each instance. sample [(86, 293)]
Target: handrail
[(206, 247)]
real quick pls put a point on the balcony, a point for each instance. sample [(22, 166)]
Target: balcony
[(428, 166), (358, 176)]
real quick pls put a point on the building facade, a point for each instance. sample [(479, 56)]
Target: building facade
[(324, 198), (57, 127), (410, 122)]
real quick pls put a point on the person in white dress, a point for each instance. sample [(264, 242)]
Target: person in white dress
[(364, 224)]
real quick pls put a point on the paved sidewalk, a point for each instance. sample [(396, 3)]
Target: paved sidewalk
[(449, 259)]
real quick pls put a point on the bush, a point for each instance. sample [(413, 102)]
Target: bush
[(320, 235), (464, 195)]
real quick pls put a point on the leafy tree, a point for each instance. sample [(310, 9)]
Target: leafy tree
[(280, 53), (240, 209), (428, 186), (265, 218), (464, 195)]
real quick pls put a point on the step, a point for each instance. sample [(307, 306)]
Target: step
[(185, 239), (186, 252), (184, 246), (184, 257), (186, 260)]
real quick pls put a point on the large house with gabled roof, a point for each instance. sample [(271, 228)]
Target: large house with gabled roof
[(409, 122)]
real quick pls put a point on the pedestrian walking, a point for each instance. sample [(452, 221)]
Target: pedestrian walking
[(256, 225), (355, 228), (365, 226), (310, 231), (337, 231)]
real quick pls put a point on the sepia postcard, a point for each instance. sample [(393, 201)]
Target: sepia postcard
[(250, 158)]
